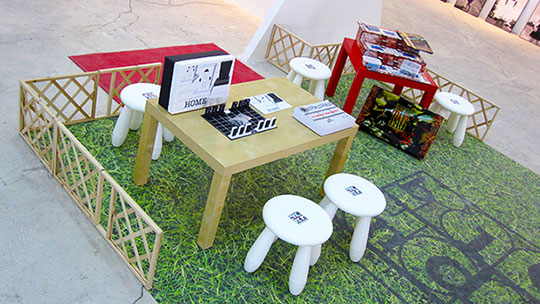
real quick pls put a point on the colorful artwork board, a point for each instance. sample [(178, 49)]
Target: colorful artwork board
[(399, 122)]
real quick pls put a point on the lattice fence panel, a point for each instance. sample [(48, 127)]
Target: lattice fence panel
[(325, 53), (485, 111), (37, 125), (284, 46), (45, 106), (119, 78), (348, 69), (80, 173), (132, 233), (71, 98), (412, 94)]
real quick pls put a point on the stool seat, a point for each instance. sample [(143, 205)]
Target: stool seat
[(297, 220), (134, 97), (310, 68), (354, 195), (460, 109), (303, 67), (454, 103)]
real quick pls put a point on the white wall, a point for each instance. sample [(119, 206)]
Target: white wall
[(315, 21)]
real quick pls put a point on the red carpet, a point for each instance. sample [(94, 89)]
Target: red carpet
[(99, 61)]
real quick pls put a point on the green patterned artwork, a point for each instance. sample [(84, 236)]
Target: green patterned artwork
[(399, 122)]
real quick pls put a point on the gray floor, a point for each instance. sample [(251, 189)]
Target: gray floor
[(50, 253), (496, 65)]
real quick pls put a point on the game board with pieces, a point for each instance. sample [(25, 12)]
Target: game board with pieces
[(238, 121)]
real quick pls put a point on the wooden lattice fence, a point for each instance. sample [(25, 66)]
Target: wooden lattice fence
[(484, 111), (285, 45), (46, 106)]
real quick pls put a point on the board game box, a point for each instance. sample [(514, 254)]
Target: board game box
[(194, 81), (399, 122)]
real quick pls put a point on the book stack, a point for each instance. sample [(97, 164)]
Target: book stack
[(323, 117), (392, 52)]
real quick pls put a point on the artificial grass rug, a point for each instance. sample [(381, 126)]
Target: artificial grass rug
[(460, 226)]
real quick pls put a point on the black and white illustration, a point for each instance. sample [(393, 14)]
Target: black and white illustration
[(268, 103), (238, 121), (195, 81)]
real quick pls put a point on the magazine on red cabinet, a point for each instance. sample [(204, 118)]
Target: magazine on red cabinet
[(416, 41)]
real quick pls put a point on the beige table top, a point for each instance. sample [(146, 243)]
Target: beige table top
[(226, 156)]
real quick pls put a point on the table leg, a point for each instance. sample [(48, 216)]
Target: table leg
[(339, 158), (146, 147), (427, 98), (212, 211), (336, 72), (353, 92), (397, 89)]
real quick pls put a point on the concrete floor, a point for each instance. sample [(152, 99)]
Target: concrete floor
[(494, 64), (49, 251)]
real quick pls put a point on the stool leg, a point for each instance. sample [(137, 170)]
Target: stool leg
[(299, 270), (259, 250), (325, 202), (452, 122), (167, 135), (121, 127), (295, 77), (359, 238), (298, 79), (315, 254), (316, 88), (136, 120), (330, 208), (291, 75), (459, 134), (158, 142)]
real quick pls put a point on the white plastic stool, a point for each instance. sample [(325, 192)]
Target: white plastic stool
[(316, 71), (297, 221), (134, 97), (358, 197), (460, 109)]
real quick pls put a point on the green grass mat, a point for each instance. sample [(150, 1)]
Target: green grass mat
[(461, 226)]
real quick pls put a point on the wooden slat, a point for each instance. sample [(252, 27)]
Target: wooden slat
[(43, 103)]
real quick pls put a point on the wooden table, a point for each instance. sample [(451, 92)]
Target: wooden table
[(351, 50), (228, 157)]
